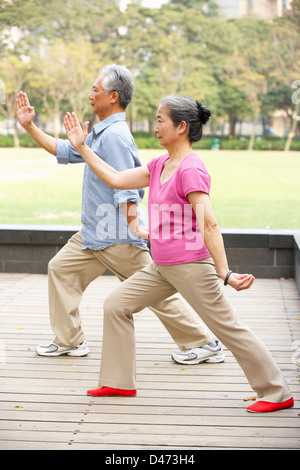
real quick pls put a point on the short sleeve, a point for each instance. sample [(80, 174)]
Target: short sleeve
[(195, 179), (151, 164), (65, 153)]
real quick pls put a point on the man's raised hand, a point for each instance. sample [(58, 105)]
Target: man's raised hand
[(25, 112), (76, 134)]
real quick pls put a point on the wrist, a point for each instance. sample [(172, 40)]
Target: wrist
[(227, 277), (135, 229), (28, 127), (223, 273), (82, 148)]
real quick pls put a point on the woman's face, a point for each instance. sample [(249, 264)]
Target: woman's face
[(165, 129)]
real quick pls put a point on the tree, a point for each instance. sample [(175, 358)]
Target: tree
[(208, 7), (286, 58), (232, 102), (67, 20), (232, 66), (63, 78), (13, 74), (248, 67)]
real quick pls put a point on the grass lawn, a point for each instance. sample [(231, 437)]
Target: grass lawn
[(249, 189)]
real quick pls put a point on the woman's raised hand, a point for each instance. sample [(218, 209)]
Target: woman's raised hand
[(76, 134)]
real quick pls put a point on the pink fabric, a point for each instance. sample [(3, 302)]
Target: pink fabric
[(174, 232)]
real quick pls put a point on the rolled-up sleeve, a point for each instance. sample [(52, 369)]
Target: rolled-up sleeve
[(65, 153), (118, 154)]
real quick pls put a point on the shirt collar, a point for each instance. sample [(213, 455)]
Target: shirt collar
[(100, 126)]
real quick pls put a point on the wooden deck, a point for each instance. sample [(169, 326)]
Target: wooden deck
[(44, 404)]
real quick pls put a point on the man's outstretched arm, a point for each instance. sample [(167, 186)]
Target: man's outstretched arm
[(25, 116)]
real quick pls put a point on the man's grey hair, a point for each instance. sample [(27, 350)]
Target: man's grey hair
[(118, 78)]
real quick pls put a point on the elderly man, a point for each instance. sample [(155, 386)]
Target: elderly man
[(112, 236)]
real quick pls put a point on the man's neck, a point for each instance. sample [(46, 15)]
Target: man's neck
[(104, 116)]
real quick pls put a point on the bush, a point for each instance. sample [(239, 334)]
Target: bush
[(205, 143), (295, 145), (145, 141), (263, 145), (27, 141), (234, 144), (6, 141)]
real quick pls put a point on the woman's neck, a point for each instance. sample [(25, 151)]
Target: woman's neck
[(178, 152)]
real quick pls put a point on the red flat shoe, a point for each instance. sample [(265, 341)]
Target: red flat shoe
[(267, 406), (111, 392)]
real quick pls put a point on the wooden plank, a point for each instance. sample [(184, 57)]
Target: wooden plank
[(179, 441), (141, 407), (43, 401), (136, 428), (96, 420)]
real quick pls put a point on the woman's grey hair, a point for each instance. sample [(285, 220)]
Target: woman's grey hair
[(118, 78), (184, 108)]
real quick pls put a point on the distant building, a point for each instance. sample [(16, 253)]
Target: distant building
[(265, 9)]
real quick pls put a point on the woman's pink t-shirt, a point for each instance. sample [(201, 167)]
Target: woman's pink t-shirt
[(174, 231)]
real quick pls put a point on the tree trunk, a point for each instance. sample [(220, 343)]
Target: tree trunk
[(232, 124), (252, 138), (56, 125), (293, 129), (16, 137), (150, 126)]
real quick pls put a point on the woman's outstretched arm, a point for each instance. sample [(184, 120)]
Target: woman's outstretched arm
[(212, 236), (129, 179)]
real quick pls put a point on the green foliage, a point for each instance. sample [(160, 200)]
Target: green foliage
[(147, 142), (239, 68), (144, 141)]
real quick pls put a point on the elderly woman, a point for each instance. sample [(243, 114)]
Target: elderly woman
[(188, 257)]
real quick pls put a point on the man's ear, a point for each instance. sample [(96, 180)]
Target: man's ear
[(114, 96)]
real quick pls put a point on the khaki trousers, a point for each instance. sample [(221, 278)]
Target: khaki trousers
[(73, 269), (199, 284)]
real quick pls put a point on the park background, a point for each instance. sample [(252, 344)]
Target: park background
[(244, 65)]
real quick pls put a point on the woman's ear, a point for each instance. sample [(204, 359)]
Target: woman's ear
[(182, 127)]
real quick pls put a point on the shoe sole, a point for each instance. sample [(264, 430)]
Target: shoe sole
[(216, 359), (267, 407), (79, 353)]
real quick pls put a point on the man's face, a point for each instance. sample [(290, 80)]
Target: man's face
[(100, 101)]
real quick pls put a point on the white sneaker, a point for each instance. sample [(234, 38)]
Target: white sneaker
[(54, 350), (211, 353)]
